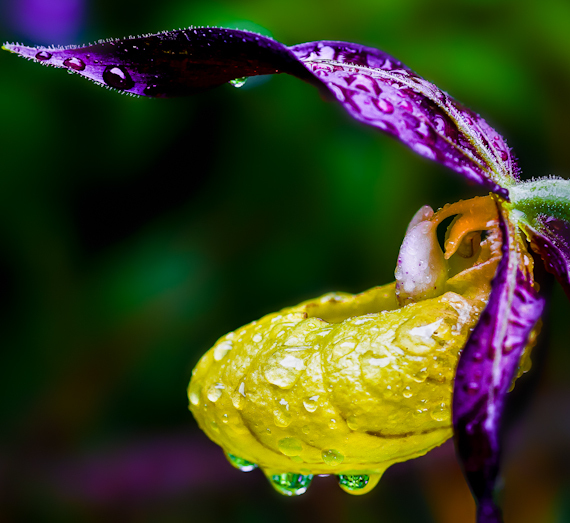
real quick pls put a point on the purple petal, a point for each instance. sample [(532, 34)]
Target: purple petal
[(174, 63), (552, 242), (372, 86), (486, 370), (380, 91)]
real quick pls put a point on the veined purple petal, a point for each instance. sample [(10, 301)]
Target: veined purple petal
[(486, 370), (372, 86), (552, 242), (380, 91)]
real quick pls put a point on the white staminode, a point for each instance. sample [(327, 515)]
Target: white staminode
[(421, 272)]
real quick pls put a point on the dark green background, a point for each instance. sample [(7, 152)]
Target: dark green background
[(135, 232)]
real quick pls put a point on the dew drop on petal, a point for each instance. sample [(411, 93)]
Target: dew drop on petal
[(385, 106), (240, 463), (194, 395), (281, 418), (215, 392), (352, 423), (441, 412), (332, 457), (118, 77), (473, 387), (311, 403), (290, 446), (290, 484), (43, 56), (221, 350), (238, 82), (74, 63)]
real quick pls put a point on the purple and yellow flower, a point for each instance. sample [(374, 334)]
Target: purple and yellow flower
[(349, 384)]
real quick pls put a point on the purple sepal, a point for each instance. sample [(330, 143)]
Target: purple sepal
[(552, 242), (372, 86), (380, 91), (486, 370), (173, 63)]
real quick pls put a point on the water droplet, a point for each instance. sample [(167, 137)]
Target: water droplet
[(473, 387), (238, 401), (358, 484), (441, 412), (421, 375), (257, 338), (215, 392), (214, 426), (290, 484), (352, 423), (222, 349), (74, 63), (238, 82), (290, 446), (385, 106), (306, 429), (194, 395), (281, 418), (43, 55), (118, 77), (407, 392), (284, 367), (240, 463), (332, 424), (311, 403), (332, 457), (353, 482)]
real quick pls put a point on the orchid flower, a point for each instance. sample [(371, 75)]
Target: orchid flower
[(350, 384)]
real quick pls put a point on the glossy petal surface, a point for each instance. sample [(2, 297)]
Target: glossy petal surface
[(380, 91), (486, 371), (372, 86), (173, 63)]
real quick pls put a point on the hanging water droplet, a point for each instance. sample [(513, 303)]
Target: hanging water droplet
[(43, 55), (240, 463), (290, 446), (357, 482), (290, 484), (74, 63), (238, 82), (332, 457), (118, 77)]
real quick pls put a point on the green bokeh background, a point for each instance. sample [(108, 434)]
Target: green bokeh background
[(134, 233)]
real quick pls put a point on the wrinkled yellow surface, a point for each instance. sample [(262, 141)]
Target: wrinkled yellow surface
[(345, 384), (330, 386)]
